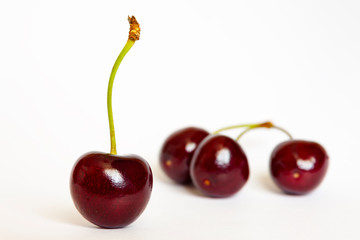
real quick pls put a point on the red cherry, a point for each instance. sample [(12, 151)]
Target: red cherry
[(177, 152), (219, 167), (298, 166), (110, 191)]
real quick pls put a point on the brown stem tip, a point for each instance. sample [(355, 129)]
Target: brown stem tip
[(134, 33), (266, 125)]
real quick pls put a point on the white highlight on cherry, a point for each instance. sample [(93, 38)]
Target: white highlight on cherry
[(115, 176), (190, 147), (223, 157), (306, 164)]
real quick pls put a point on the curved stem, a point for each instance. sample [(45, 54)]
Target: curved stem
[(122, 54), (241, 134), (134, 35), (251, 126), (273, 126)]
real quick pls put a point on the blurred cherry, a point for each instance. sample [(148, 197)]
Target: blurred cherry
[(297, 166), (219, 167), (177, 151)]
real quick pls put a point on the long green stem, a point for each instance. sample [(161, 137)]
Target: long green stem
[(134, 34), (122, 54)]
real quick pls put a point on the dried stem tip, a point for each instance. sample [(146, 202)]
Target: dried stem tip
[(266, 125), (134, 33)]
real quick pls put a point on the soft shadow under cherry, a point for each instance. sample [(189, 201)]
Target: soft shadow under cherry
[(65, 215)]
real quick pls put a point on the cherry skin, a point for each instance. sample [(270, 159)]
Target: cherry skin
[(297, 166), (109, 190), (219, 167), (177, 152)]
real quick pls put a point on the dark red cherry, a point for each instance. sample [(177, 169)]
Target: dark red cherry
[(298, 166), (219, 167), (110, 191), (177, 151)]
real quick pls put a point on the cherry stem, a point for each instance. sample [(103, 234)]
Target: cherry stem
[(253, 126), (134, 35), (273, 126), (256, 125)]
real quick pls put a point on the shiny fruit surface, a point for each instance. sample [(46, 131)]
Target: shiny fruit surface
[(298, 166), (177, 151), (110, 191), (219, 167)]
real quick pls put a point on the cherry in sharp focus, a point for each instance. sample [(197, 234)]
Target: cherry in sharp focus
[(108, 190), (177, 151), (111, 191)]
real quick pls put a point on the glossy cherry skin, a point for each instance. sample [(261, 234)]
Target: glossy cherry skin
[(219, 167), (110, 191), (297, 166), (177, 151)]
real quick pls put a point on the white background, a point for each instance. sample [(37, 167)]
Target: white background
[(200, 63)]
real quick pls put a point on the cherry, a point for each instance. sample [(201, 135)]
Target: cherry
[(177, 151), (219, 166), (112, 191), (297, 166)]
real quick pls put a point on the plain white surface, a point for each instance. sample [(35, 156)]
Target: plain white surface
[(204, 63)]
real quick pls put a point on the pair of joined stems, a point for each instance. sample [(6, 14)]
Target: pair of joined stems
[(253, 126)]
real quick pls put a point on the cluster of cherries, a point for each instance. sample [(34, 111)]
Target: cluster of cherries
[(218, 167), (112, 191)]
